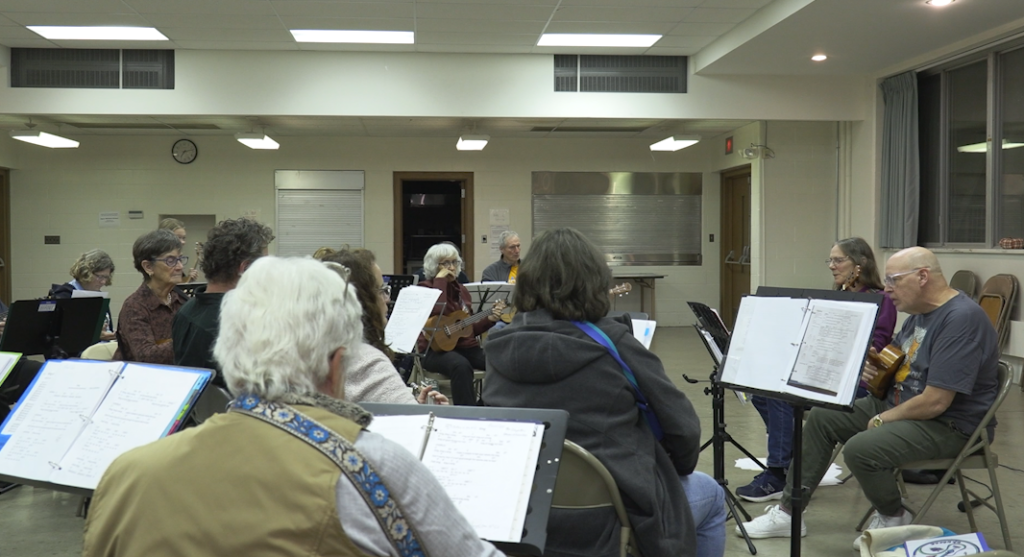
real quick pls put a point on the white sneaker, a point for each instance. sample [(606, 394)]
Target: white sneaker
[(879, 520), (776, 523)]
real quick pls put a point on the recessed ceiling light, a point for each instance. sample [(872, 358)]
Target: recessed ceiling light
[(472, 142), (256, 141), (353, 36), (939, 3), (819, 57), (675, 143), (44, 139), (59, 33), (586, 39)]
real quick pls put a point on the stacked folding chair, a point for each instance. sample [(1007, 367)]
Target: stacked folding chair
[(997, 299), (966, 282)]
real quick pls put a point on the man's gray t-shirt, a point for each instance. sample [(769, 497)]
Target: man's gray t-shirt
[(953, 347)]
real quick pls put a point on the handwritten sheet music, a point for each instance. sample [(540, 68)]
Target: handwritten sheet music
[(487, 469), (412, 309), (138, 410), (51, 415), (408, 431)]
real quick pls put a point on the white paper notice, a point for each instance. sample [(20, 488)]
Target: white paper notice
[(51, 415), (138, 410), (110, 219), (486, 468), (643, 330), (408, 431), (412, 309), (499, 222)]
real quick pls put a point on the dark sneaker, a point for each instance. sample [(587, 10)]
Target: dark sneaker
[(765, 487)]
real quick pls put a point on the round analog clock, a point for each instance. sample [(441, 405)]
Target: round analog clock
[(184, 151)]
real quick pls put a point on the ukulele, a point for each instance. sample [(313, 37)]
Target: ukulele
[(888, 361), (620, 290), (852, 279), (193, 274), (448, 329)]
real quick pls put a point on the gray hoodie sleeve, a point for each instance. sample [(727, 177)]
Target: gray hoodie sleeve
[(439, 526)]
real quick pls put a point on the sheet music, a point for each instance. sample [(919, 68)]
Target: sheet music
[(52, 414), (137, 410), (643, 330), (487, 469), (766, 329), (408, 431), (89, 294), (832, 343), (709, 341), (412, 309)]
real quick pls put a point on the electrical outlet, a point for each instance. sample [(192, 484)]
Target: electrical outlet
[(711, 237), (51, 239)]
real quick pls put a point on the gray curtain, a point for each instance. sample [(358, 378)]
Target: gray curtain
[(901, 172)]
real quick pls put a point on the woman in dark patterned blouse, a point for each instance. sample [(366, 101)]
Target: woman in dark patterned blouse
[(144, 324)]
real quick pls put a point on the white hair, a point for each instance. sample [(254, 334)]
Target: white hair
[(281, 325), (435, 255), (505, 237)]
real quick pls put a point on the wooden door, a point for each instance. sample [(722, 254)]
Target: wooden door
[(463, 239), (5, 236), (735, 243)]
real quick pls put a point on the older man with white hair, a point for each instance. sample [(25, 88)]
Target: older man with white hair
[(506, 268), (289, 470)]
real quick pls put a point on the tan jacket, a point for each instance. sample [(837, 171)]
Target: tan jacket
[(235, 486)]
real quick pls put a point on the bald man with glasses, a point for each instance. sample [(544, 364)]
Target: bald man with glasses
[(939, 396)]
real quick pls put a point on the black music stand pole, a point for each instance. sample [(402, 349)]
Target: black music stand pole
[(797, 495)]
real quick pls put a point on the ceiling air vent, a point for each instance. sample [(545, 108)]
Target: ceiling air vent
[(92, 68), (620, 74)]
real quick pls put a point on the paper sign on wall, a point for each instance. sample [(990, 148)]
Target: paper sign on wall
[(499, 222), (110, 219)]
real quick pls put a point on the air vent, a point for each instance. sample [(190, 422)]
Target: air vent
[(620, 74), (92, 68)]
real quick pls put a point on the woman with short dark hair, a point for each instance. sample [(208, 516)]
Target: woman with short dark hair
[(92, 270), (547, 359), (144, 324)]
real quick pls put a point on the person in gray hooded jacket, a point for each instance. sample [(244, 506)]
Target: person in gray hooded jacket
[(543, 360)]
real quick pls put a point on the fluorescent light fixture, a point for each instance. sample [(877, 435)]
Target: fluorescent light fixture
[(675, 143), (819, 57), (66, 33), (983, 147), (586, 39), (940, 3), (44, 139), (256, 141), (472, 142), (364, 37)]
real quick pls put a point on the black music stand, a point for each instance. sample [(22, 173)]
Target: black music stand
[(800, 403), (481, 293), (709, 321), (54, 328), (397, 283), (535, 530)]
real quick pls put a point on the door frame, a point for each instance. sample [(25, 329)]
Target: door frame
[(466, 178), (5, 235)]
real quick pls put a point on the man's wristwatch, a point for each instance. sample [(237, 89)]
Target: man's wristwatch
[(877, 421)]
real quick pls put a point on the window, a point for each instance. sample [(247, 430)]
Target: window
[(972, 195)]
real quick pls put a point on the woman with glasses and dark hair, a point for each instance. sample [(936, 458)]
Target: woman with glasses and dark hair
[(853, 266), (441, 267), (547, 358), (92, 270), (144, 324), (370, 375)]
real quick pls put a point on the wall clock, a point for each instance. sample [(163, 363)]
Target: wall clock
[(184, 151)]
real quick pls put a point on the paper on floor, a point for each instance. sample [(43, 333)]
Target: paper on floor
[(831, 476)]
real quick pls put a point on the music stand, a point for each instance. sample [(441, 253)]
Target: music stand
[(481, 293), (709, 321), (799, 403), (555, 423), (54, 328)]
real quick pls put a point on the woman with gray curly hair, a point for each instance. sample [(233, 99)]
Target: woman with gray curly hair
[(290, 469), (92, 270), (441, 266)]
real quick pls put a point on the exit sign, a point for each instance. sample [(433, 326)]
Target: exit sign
[(728, 145)]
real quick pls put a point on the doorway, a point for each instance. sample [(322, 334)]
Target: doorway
[(735, 243), (5, 235), (430, 208)]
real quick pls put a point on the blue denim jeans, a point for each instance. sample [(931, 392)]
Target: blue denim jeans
[(707, 504), (778, 417)]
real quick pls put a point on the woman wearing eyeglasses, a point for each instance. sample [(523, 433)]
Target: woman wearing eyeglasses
[(853, 267), (93, 270), (144, 324), (370, 375)]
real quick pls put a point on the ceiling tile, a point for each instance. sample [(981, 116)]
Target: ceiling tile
[(27, 43), (702, 29), (66, 18), (688, 41), (344, 47), (63, 6), (225, 35), (16, 32), (223, 7), (672, 51), (705, 15), (478, 26), (365, 23), (650, 27), (589, 50), (475, 38), (236, 45), (621, 3), (755, 4), (476, 48), (141, 45), (484, 11), (344, 9), (214, 21), (621, 14)]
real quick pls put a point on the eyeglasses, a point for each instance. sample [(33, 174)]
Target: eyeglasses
[(512, 247), (384, 291), (104, 278), (890, 280), (835, 261), (451, 263), (172, 261)]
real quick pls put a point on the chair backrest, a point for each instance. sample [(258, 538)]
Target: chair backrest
[(1005, 381), (1006, 286), (993, 306), (100, 351), (214, 400), (584, 483), (965, 281)]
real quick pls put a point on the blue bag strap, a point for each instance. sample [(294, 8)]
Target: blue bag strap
[(594, 332)]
